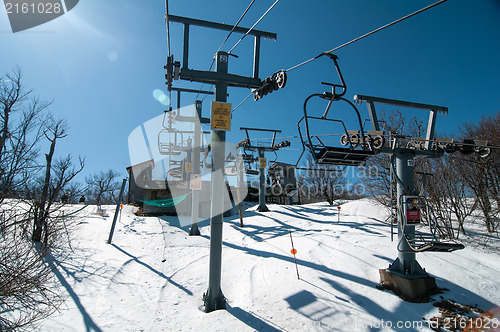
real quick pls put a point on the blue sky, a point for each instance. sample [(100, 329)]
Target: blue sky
[(101, 62)]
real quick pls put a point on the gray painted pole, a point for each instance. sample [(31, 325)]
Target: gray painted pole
[(262, 184), (117, 211), (187, 175), (241, 182), (214, 299), (406, 263), (195, 194)]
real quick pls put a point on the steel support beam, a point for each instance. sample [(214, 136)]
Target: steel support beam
[(203, 92), (185, 53), (220, 26), (195, 194), (210, 77), (395, 102), (256, 57), (406, 264), (262, 184), (214, 299)]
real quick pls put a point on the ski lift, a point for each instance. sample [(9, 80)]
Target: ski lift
[(165, 144), (411, 208), (167, 147), (348, 154), (248, 160)]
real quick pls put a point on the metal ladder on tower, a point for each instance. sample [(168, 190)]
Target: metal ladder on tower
[(410, 208)]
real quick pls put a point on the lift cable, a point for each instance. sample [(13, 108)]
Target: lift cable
[(225, 40), (206, 94), (244, 100), (168, 44), (404, 137), (253, 26), (352, 41), (234, 27), (239, 41), (368, 34), (168, 28)]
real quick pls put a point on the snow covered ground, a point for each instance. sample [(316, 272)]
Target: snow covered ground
[(153, 276)]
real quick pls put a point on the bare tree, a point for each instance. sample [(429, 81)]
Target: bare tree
[(28, 291), (12, 95), (449, 195), (321, 182), (56, 131), (58, 175), (22, 127), (103, 187), (482, 174)]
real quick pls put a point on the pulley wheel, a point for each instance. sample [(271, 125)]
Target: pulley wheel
[(281, 79), (378, 142), (344, 140), (354, 139), (484, 152)]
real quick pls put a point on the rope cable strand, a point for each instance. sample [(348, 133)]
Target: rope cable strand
[(253, 26), (244, 100), (222, 44), (168, 29), (234, 27)]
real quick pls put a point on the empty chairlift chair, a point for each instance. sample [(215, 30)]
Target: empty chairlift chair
[(170, 140), (356, 147)]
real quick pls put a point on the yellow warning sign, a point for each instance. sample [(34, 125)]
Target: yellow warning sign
[(189, 167), (263, 162), (221, 116)]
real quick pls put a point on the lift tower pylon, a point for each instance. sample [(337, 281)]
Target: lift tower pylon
[(213, 298), (247, 145)]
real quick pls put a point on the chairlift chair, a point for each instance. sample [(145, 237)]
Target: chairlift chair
[(248, 160), (165, 144), (347, 155)]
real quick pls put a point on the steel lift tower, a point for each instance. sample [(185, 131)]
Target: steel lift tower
[(222, 79), (261, 150)]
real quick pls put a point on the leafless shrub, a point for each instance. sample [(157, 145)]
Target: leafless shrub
[(28, 293), (321, 182)]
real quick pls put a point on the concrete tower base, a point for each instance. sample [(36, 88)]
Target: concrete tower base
[(411, 289)]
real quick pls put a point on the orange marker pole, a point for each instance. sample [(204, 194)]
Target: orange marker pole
[(294, 252), (121, 207)]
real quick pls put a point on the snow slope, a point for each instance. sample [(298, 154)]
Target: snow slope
[(153, 276)]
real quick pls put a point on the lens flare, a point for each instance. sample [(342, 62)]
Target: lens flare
[(161, 97)]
